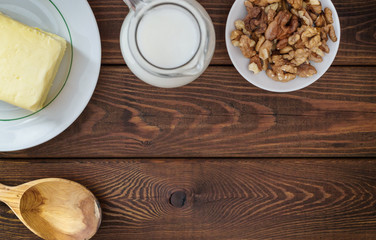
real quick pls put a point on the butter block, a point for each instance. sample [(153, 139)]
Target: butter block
[(29, 61)]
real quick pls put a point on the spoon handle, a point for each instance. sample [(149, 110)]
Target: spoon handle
[(10, 196), (4, 193)]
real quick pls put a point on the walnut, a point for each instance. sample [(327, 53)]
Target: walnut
[(297, 4), (288, 29), (314, 42), (324, 33), (270, 15), (255, 37), (273, 6), (286, 50), (282, 64), (265, 64), (293, 39), (288, 68), (324, 47), (299, 44), (318, 51), (272, 30), (235, 37), (259, 43), (301, 29), (290, 56), (263, 3), (274, 47), (309, 32), (239, 25), (294, 12), (300, 57), (282, 26), (306, 70), (315, 57), (313, 16), (315, 6), (280, 76), (248, 5), (304, 15), (328, 15), (284, 5), (311, 37), (277, 60), (314, 2), (255, 65), (256, 20), (282, 44), (265, 50), (320, 21), (332, 33), (246, 45)]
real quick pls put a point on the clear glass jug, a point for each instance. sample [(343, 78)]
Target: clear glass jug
[(152, 55)]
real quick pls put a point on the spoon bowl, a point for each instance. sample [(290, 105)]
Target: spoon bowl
[(54, 208)]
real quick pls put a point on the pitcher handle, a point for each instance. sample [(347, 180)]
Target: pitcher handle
[(133, 4)]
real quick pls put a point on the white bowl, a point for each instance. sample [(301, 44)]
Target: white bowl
[(238, 11)]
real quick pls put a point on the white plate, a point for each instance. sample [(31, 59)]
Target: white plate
[(238, 11), (75, 81)]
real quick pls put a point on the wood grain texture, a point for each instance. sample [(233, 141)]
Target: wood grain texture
[(222, 115), (358, 24), (226, 198)]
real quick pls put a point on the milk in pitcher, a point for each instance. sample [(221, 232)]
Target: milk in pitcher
[(168, 36)]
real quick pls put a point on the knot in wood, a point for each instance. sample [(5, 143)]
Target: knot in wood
[(178, 199)]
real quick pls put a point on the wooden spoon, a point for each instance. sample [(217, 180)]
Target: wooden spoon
[(54, 208)]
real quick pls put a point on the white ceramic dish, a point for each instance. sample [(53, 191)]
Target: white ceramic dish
[(75, 81), (238, 11)]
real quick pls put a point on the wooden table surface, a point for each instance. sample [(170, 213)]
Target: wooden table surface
[(220, 158)]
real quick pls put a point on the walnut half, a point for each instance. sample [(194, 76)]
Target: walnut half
[(328, 16), (332, 33), (263, 3), (246, 45), (255, 65), (235, 37), (297, 4), (280, 76), (266, 50), (306, 70), (239, 25)]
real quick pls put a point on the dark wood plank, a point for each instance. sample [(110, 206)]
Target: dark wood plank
[(222, 117), (358, 23), (225, 199)]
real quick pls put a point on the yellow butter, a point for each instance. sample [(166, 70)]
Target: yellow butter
[(29, 61)]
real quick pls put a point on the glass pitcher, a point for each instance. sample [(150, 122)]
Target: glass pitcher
[(167, 43)]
